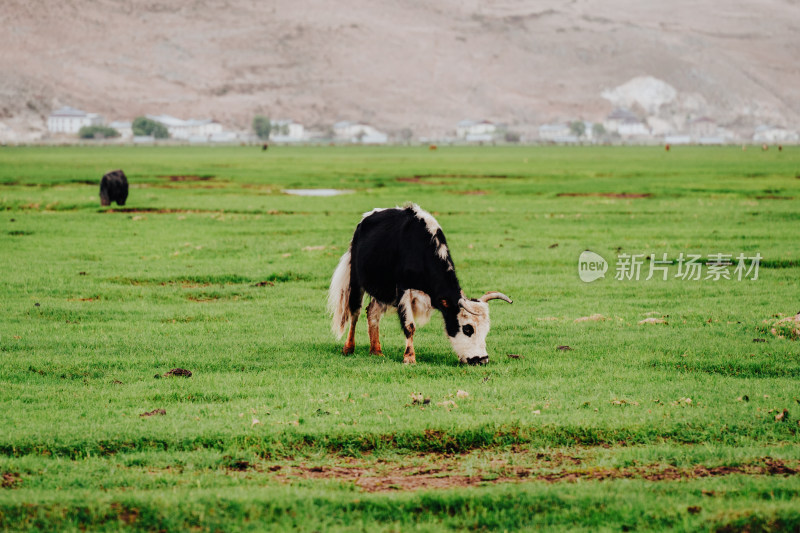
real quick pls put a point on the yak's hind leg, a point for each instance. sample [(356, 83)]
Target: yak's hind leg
[(350, 343), (375, 311), (356, 297), (405, 310)]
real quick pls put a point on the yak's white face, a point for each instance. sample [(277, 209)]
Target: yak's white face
[(473, 327)]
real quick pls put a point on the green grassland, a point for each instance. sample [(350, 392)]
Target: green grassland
[(211, 267)]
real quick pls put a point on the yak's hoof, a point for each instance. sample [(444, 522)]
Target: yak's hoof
[(409, 360), (378, 353), (348, 350), (478, 360)]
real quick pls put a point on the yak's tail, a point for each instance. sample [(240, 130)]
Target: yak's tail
[(339, 296)]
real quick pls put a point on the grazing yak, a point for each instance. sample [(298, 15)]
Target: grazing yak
[(400, 258), (114, 188)]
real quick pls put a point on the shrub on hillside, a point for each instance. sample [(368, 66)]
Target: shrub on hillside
[(146, 126), (262, 126), (97, 132)]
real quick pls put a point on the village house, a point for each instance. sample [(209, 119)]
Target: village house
[(625, 123), (124, 128), (355, 132), (475, 131), (703, 127), (192, 129), (771, 134), (70, 120), (558, 133), (286, 131)]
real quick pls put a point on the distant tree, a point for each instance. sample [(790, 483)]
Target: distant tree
[(97, 132), (512, 137), (262, 126), (143, 126), (405, 135), (577, 128), (598, 130)]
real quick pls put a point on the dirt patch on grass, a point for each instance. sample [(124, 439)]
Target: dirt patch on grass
[(169, 211), (425, 179), (154, 412), (774, 197), (199, 281), (178, 372), (127, 515), (203, 298), (187, 177), (10, 480), (156, 210), (236, 464), (444, 473), (785, 327), (607, 194), (476, 192)]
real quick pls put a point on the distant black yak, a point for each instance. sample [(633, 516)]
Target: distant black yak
[(114, 188)]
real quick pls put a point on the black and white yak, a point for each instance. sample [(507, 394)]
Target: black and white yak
[(400, 258)]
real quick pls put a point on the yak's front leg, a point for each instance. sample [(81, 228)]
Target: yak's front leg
[(406, 312), (375, 311)]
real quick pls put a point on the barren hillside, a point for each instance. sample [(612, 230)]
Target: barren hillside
[(410, 64)]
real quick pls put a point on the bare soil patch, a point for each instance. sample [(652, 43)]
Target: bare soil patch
[(425, 178), (202, 298), (178, 372), (608, 194), (10, 480), (168, 210), (156, 210), (187, 177), (476, 192), (155, 412), (443, 474)]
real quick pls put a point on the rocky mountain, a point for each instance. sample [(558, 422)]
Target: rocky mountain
[(401, 64)]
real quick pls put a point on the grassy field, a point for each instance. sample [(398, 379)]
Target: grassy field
[(210, 267)]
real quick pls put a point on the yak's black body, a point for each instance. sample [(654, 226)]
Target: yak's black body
[(394, 250), (114, 188)]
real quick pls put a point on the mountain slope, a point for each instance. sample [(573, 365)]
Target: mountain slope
[(415, 64)]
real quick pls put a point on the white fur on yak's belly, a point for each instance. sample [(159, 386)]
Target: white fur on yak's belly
[(420, 307)]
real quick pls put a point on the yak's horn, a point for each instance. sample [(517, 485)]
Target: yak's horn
[(465, 304), (494, 295)]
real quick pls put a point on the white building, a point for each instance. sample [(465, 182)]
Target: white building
[(188, 129), (471, 130), (677, 139), (633, 128), (703, 127), (558, 132), (70, 120), (618, 117), (355, 132), (286, 131), (124, 128), (770, 134)]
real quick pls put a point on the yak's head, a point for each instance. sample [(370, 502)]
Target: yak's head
[(469, 340)]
